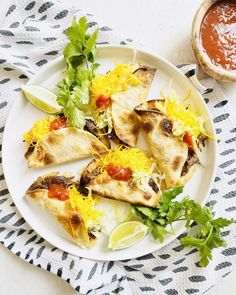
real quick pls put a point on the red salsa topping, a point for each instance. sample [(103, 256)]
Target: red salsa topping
[(187, 138), (118, 172), (58, 191), (103, 102), (58, 123), (218, 34)]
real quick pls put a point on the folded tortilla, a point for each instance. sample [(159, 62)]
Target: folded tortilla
[(64, 145), (125, 121), (69, 218), (171, 153), (105, 186)]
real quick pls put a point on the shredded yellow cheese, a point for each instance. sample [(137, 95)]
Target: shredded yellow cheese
[(184, 118), (85, 206), (134, 158), (36, 133), (115, 81)]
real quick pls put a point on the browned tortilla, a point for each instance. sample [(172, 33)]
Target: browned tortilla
[(69, 218), (170, 151), (105, 186), (125, 121), (64, 145)]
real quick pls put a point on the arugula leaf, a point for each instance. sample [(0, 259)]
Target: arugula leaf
[(207, 231), (74, 96)]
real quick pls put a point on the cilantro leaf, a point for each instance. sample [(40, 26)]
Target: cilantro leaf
[(74, 95), (207, 232), (170, 194), (167, 196), (74, 115), (81, 47), (208, 236), (158, 232), (148, 212), (90, 43), (221, 222), (77, 31)]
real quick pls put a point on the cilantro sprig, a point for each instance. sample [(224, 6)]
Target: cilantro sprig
[(79, 55), (207, 229)]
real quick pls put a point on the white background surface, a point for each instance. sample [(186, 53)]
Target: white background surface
[(163, 26)]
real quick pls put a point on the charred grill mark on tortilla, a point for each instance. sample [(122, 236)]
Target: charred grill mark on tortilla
[(54, 138), (29, 151), (76, 220), (48, 159), (147, 126), (176, 163)]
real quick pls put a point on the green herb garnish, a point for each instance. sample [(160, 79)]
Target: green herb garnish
[(80, 58), (207, 229)]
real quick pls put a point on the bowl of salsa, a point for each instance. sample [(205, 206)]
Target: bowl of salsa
[(214, 38)]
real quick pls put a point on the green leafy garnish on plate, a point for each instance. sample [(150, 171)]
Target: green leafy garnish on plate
[(79, 54), (206, 233)]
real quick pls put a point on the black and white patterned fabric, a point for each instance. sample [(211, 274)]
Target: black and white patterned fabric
[(31, 35)]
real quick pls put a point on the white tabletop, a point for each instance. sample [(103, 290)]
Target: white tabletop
[(163, 26)]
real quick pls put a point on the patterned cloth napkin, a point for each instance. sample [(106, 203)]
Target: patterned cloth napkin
[(31, 35)]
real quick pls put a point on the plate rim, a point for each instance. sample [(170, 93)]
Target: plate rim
[(144, 51)]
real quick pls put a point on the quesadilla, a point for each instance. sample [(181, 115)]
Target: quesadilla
[(50, 141), (75, 212), (116, 94), (174, 133), (125, 174)]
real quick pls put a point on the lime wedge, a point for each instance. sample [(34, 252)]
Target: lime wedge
[(41, 98), (127, 234)]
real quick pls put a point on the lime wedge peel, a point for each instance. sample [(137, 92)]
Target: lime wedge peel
[(127, 234), (42, 98)]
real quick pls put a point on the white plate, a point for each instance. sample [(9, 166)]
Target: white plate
[(19, 177)]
